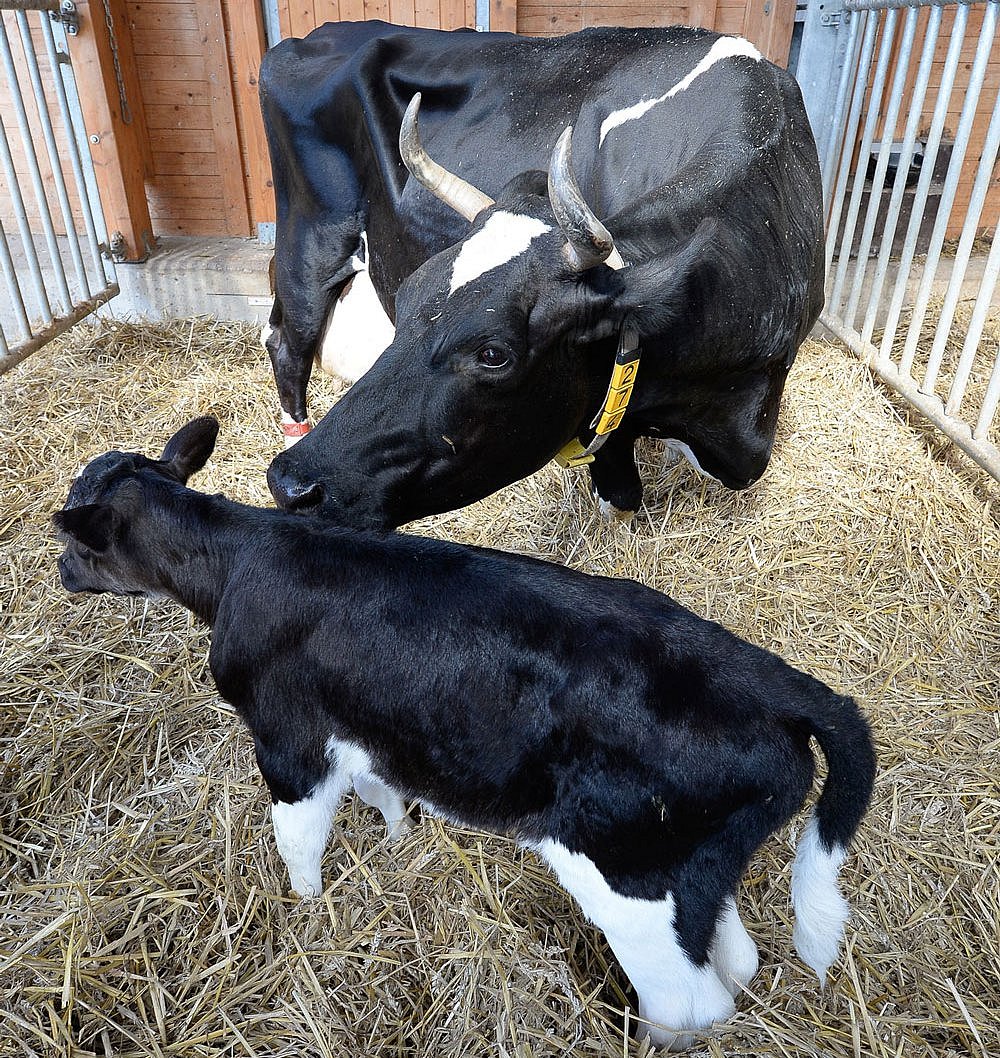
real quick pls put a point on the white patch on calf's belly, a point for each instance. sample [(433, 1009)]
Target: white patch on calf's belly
[(723, 48), (356, 332), (503, 237)]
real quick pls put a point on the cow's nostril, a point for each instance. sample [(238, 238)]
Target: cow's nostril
[(292, 494)]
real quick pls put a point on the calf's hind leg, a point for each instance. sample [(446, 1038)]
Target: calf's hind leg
[(386, 800), (733, 953), (676, 995)]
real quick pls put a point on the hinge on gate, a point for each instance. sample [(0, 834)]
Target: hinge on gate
[(67, 17), (833, 14)]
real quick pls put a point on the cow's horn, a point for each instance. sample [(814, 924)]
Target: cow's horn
[(588, 242), (451, 189)]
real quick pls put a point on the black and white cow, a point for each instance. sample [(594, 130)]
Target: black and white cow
[(642, 752), (510, 297)]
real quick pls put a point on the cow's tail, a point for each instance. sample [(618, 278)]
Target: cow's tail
[(820, 908)]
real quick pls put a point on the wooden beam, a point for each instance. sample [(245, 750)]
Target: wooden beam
[(768, 24), (503, 16), (224, 129), (249, 45), (116, 133)]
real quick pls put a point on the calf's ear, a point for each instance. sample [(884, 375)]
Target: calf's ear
[(189, 449), (91, 525), (651, 295)]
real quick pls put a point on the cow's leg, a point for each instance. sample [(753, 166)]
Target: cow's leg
[(733, 953), (387, 801), (614, 477), (677, 995)]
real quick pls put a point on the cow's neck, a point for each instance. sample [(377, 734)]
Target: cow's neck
[(193, 550)]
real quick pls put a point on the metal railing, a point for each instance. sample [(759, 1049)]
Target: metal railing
[(899, 293), (48, 291)]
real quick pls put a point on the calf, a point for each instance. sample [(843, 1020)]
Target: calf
[(642, 752)]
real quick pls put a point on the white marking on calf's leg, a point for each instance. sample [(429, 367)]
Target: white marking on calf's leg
[(302, 829), (820, 908), (375, 793), (675, 995), (733, 954)]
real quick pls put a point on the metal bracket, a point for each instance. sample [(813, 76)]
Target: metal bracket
[(67, 17), (833, 14)]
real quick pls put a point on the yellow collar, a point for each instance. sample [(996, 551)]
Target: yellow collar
[(582, 449)]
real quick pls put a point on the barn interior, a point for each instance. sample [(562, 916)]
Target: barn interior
[(143, 907)]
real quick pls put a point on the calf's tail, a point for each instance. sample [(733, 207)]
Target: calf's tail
[(820, 908)]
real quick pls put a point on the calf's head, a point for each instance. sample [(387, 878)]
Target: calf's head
[(110, 546), (503, 350)]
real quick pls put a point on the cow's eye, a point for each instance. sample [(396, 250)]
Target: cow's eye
[(493, 358)]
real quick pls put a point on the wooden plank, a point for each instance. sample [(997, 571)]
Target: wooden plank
[(180, 139), (248, 45), (702, 13), (120, 152), (427, 14), (352, 10), (165, 66), (377, 9), (503, 16), (162, 16), (401, 12), (227, 143), (146, 41), (177, 93), (452, 14), (179, 163), (768, 24), (185, 187), (175, 116), (325, 11)]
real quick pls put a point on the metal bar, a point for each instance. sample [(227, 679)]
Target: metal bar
[(990, 401), (24, 229), (32, 159), (919, 204), (850, 132), (3, 343), (56, 327), (843, 91), (30, 5), (10, 274), (976, 77), (989, 281), (905, 160), (82, 187), (902, 62), (49, 136), (881, 5), (854, 206), (983, 451)]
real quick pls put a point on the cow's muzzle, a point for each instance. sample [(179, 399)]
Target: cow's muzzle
[(291, 492)]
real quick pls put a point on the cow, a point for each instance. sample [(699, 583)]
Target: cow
[(465, 175), (643, 752)]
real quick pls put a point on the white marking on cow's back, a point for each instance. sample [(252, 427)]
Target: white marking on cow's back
[(503, 237), (723, 48)]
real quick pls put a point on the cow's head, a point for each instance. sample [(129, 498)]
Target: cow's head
[(99, 523), (503, 351)]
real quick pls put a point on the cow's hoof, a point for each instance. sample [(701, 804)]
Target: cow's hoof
[(613, 514)]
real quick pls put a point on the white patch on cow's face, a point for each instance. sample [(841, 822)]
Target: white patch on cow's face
[(723, 48), (503, 237)]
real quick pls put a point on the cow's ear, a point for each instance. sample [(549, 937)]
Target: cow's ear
[(651, 295), (189, 449), (91, 525)]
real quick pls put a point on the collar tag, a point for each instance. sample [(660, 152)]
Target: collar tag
[(580, 450)]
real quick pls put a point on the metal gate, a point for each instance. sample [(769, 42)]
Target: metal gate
[(53, 288), (910, 278)]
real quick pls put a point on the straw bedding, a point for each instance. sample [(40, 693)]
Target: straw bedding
[(143, 909)]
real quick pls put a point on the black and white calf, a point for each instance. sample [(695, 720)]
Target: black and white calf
[(643, 752)]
